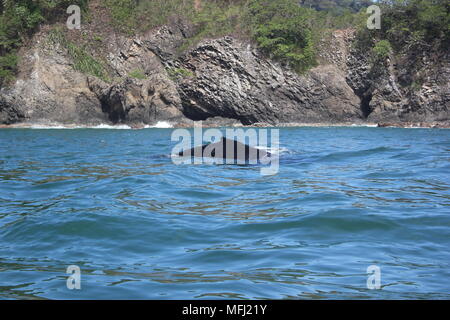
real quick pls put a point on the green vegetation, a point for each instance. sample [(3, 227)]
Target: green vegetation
[(155, 13), (382, 49), (8, 64), (216, 17), (336, 6), (282, 30), (286, 30), (416, 84), (412, 24), (421, 21), (123, 13), (18, 20), (137, 74), (179, 73), (82, 60)]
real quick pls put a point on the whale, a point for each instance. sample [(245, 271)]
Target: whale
[(230, 150)]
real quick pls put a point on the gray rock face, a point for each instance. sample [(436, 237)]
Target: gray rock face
[(49, 90), (9, 113), (166, 41), (139, 101), (222, 79), (143, 93), (232, 80), (404, 88)]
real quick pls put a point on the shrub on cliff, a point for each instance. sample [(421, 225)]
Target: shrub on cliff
[(286, 30), (282, 29), (382, 49), (19, 19), (413, 24), (407, 19), (123, 12), (82, 60)]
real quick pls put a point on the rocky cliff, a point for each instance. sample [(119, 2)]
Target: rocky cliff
[(225, 78)]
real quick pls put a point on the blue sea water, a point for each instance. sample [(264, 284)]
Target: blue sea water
[(140, 227)]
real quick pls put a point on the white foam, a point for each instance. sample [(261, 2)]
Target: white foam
[(59, 126), (161, 125), (273, 150), (365, 125), (108, 126), (41, 126)]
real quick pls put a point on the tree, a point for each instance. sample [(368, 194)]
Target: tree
[(282, 30)]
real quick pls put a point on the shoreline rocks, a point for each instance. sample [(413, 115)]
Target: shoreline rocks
[(224, 123), (224, 82)]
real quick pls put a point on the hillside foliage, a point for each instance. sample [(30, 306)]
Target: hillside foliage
[(285, 30), (18, 20)]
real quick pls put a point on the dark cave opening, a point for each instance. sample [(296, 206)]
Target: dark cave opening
[(365, 104)]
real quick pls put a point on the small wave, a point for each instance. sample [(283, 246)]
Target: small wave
[(365, 125), (107, 126), (38, 126), (161, 125), (356, 153), (61, 126), (273, 150)]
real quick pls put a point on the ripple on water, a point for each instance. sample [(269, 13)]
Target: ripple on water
[(112, 202)]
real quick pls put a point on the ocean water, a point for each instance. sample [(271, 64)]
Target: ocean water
[(140, 227)]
